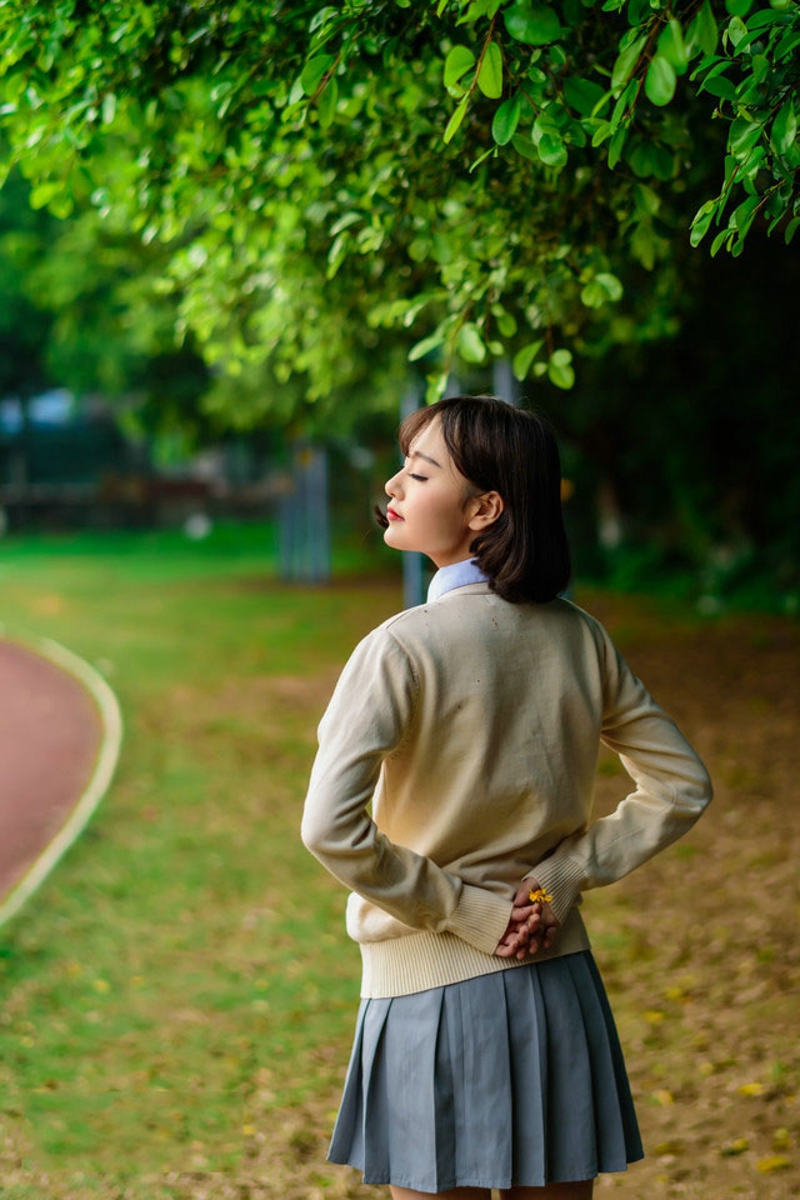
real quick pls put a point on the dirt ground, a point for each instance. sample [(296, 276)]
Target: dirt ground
[(699, 948)]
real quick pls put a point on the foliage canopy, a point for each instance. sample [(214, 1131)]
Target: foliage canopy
[(334, 189)]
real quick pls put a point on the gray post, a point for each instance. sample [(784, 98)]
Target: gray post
[(503, 383), (413, 562), (304, 518)]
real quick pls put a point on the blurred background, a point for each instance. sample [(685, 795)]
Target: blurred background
[(680, 458)]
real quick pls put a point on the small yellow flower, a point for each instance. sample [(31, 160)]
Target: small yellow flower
[(751, 1089), (540, 896)]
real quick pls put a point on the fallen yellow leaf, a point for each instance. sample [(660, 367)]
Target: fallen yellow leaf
[(736, 1147), (781, 1139), (670, 1147), (773, 1162), (751, 1089)]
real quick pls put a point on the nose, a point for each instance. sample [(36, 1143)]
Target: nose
[(392, 486)]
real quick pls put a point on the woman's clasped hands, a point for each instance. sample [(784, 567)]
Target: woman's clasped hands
[(533, 925)]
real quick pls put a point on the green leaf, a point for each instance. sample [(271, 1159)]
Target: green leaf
[(600, 290), (523, 359), (314, 71), (725, 235), (742, 217), (672, 46), (322, 17), (470, 343), (506, 119), (790, 230), (616, 146), (624, 102), (719, 86), (490, 76), (43, 193), (454, 124), (646, 199), (583, 95), (742, 137), (490, 151), (602, 133), (458, 62), (426, 345), (534, 24), (109, 108), (702, 221), (525, 147), (736, 30), (506, 321), (738, 8), (626, 64), (560, 370), (327, 101), (660, 81), (610, 284), (552, 150), (703, 30), (784, 129), (650, 158)]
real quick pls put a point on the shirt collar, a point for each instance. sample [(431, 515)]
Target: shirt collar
[(454, 576)]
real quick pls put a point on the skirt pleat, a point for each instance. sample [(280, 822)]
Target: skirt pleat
[(513, 1078)]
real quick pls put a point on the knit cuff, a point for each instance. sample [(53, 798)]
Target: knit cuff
[(481, 918), (562, 878)]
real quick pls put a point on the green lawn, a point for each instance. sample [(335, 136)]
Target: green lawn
[(183, 970)]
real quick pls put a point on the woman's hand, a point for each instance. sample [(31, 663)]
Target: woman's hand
[(533, 925)]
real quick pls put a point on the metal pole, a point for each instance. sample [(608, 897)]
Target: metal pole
[(503, 384), (413, 562)]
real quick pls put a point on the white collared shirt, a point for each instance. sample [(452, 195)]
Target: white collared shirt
[(454, 576)]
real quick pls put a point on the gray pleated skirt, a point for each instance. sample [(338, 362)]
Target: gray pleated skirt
[(515, 1078)]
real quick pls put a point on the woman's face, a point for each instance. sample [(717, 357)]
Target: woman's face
[(432, 506)]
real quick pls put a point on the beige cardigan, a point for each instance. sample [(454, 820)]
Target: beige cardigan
[(472, 727)]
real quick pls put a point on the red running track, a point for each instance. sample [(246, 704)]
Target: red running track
[(50, 734)]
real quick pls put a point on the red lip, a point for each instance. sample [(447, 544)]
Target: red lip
[(392, 515)]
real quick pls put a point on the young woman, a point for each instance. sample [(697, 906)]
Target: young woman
[(485, 1053)]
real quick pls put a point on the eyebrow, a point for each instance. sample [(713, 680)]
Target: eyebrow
[(419, 454)]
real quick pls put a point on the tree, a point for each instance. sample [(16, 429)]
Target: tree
[(336, 188)]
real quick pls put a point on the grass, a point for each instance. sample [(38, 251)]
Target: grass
[(185, 957), (178, 998)]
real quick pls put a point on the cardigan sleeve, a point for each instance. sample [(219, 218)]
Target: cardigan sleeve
[(372, 708), (672, 788)]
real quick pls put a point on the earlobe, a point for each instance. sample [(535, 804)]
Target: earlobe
[(488, 508)]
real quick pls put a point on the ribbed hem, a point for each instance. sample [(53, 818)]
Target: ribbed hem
[(405, 965), (481, 918)]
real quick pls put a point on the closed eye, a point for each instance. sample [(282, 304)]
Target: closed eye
[(419, 478)]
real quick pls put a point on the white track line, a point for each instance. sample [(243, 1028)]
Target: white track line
[(105, 765)]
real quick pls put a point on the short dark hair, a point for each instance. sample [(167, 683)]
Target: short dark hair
[(513, 451)]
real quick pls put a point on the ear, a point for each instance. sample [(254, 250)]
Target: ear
[(485, 511)]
